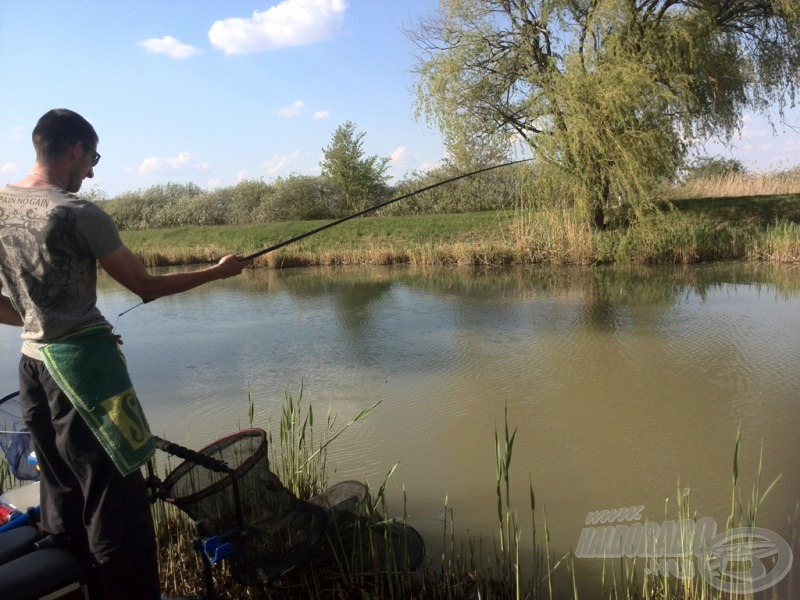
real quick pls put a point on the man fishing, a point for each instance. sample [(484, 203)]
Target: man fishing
[(88, 429)]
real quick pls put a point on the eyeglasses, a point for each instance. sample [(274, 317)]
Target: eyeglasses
[(95, 158)]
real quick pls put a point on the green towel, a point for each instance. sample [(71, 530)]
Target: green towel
[(90, 369)]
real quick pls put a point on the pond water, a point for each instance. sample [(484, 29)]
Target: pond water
[(623, 385)]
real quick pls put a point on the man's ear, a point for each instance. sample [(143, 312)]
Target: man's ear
[(75, 151)]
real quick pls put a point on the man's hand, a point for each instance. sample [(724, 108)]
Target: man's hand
[(232, 265)]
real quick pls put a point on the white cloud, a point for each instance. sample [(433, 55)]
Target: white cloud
[(155, 164), (287, 24), (213, 183), (292, 111), (7, 168), (170, 46), (280, 163), (322, 114), (242, 175), (399, 156)]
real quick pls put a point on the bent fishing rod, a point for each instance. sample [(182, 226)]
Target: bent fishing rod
[(360, 213)]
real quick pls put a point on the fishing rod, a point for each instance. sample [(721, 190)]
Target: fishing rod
[(297, 238)]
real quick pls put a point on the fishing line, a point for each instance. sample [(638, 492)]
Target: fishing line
[(297, 238), (127, 310)]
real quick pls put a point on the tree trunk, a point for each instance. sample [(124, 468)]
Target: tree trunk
[(600, 192), (598, 216)]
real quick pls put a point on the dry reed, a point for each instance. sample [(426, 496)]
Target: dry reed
[(736, 185), (554, 235)]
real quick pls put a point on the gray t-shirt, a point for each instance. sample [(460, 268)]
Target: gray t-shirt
[(50, 241)]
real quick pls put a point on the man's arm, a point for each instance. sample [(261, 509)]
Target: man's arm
[(125, 267), (8, 314)]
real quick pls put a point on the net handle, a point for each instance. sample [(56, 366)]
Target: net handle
[(9, 397), (195, 457), (209, 463)]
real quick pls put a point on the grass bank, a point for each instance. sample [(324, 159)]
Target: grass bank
[(423, 239), (688, 230)]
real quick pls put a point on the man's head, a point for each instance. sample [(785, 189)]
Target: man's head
[(58, 130), (64, 139)]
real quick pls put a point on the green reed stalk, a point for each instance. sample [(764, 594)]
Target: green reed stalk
[(303, 458), (734, 477), (509, 535)]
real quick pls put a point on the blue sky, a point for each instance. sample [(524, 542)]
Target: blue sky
[(215, 92)]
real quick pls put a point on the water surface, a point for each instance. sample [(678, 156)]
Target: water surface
[(623, 385)]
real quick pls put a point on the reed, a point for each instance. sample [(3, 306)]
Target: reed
[(779, 243), (554, 235), (675, 239), (739, 184), (7, 479), (300, 459), (671, 575)]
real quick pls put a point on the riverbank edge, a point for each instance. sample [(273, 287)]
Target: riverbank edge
[(555, 237)]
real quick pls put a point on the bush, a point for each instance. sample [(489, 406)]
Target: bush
[(295, 198), (498, 189), (243, 201), (151, 208), (713, 168), (307, 197)]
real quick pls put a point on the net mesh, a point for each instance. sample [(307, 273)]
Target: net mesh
[(15, 439), (360, 537), (278, 530)]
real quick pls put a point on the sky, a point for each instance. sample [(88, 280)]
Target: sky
[(216, 92)]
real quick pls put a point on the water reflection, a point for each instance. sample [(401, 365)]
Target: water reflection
[(621, 382)]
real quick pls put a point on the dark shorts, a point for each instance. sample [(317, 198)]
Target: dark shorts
[(103, 517)]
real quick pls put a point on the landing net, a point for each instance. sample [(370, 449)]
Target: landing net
[(277, 531), (15, 439)]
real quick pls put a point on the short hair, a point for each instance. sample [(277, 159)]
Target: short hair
[(57, 130)]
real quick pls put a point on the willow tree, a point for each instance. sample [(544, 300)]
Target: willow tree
[(609, 94)]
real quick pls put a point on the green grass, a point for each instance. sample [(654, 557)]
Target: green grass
[(363, 240), (698, 229), (754, 211)]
